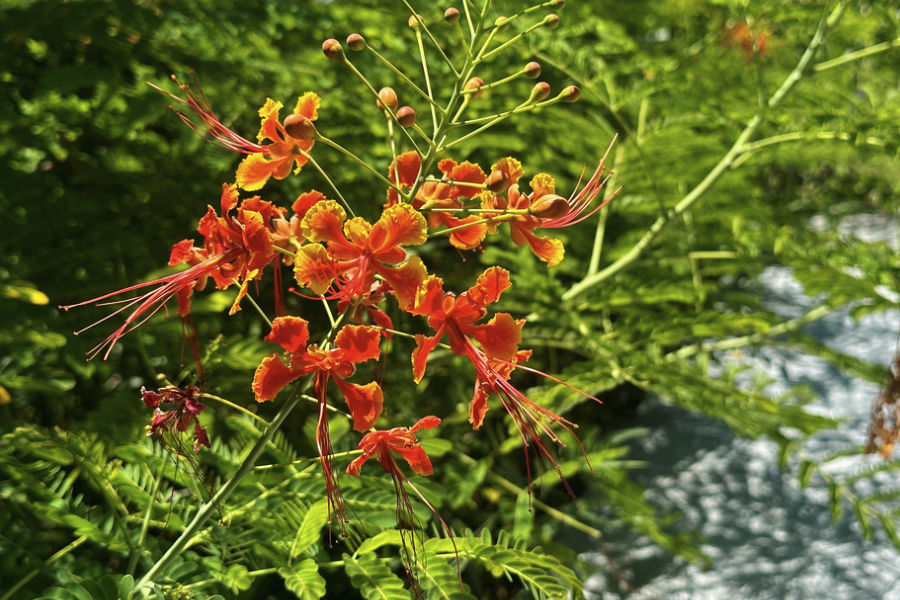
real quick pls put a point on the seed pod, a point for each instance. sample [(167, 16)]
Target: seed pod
[(550, 206), (299, 127), (406, 116), (540, 91), (497, 182), (570, 94), (414, 22), (551, 21), (474, 84), (332, 49), (502, 23), (356, 42), (451, 15), (532, 70), (387, 97)]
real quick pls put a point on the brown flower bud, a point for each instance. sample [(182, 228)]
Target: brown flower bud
[(414, 22), (299, 127), (356, 42), (502, 23), (551, 21), (540, 91), (387, 97), (532, 70), (451, 15), (406, 116), (474, 84), (570, 94), (497, 182), (550, 206), (332, 49)]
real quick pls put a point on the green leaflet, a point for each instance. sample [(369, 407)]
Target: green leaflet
[(303, 580)]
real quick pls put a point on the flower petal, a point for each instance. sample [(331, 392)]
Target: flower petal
[(429, 299), (250, 276), (306, 201), (314, 268), (181, 252), (510, 166), (291, 333), (408, 165), (405, 280), (324, 223), (359, 343), (547, 249), (490, 285), (399, 225), (357, 230), (257, 237), (254, 171), (542, 184), (417, 459), (429, 422), (308, 106), (230, 197), (469, 237), (479, 405), (499, 338), (184, 299), (268, 129), (424, 346), (272, 375), (356, 463), (365, 403), (466, 172)]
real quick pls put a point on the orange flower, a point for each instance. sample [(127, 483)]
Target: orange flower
[(356, 251), (284, 153), (354, 344), (432, 194)]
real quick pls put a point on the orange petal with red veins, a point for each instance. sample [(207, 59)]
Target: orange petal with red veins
[(429, 299), (466, 172), (314, 268), (446, 166), (408, 165), (229, 197), (250, 276), (306, 201), (424, 346), (272, 375), (499, 338), (405, 280), (254, 171), (324, 222), (308, 106), (547, 249), (257, 237), (469, 237), (417, 459), (429, 422), (268, 129), (542, 184), (291, 333), (184, 299), (359, 343), (181, 252), (364, 401), (510, 166), (399, 225), (478, 407), (489, 287)]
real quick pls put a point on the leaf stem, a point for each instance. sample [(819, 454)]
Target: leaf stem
[(250, 414)]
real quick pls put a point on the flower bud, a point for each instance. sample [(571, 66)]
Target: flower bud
[(502, 23), (570, 94), (406, 117), (550, 206), (540, 91), (356, 42), (557, 3), (332, 49), (387, 97), (414, 22), (451, 15), (497, 182), (474, 84), (532, 70), (299, 127), (551, 21)]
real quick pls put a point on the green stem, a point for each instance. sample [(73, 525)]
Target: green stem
[(472, 224), (513, 40), (497, 83), (422, 26), (31, 575), (328, 179), (237, 407), (259, 310), (157, 483), (600, 233), (434, 120), (842, 60), (364, 164), (403, 77), (307, 460)]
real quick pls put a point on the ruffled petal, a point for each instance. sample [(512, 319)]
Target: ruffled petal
[(469, 237), (269, 127), (490, 285), (306, 201), (250, 276), (408, 165), (399, 225), (365, 403), (510, 166), (314, 268), (542, 184), (357, 463), (324, 223), (308, 106), (429, 299), (479, 405), (184, 299), (359, 343), (405, 280), (271, 376), (499, 338), (230, 197), (429, 422), (357, 230), (549, 250), (257, 237), (424, 346), (181, 252), (291, 333), (466, 172), (417, 459), (254, 171)]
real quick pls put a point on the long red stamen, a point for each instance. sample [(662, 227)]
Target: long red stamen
[(326, 456), (580, 201)]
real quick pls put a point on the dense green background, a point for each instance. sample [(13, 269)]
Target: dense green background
[(98, 179)]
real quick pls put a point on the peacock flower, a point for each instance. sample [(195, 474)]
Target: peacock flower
[(285, 151), (289, 234), (183, 409), (356, 251), (354, 344), (236, 249), (441, 195)]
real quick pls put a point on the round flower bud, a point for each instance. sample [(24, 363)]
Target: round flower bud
[(557, 3), (551, 21), (502, 23), (532, 70), (540, 91), (299, 127), (356, 42), (414, 22), (474, 84), (332, 49), (550, 206), (497, 182), (451, 15), (406, 117), (570, 94), (387, 97)]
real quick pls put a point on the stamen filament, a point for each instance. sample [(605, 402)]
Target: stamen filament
[(328, 179)]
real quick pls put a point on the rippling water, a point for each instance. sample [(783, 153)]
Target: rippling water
[(770, 539)]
